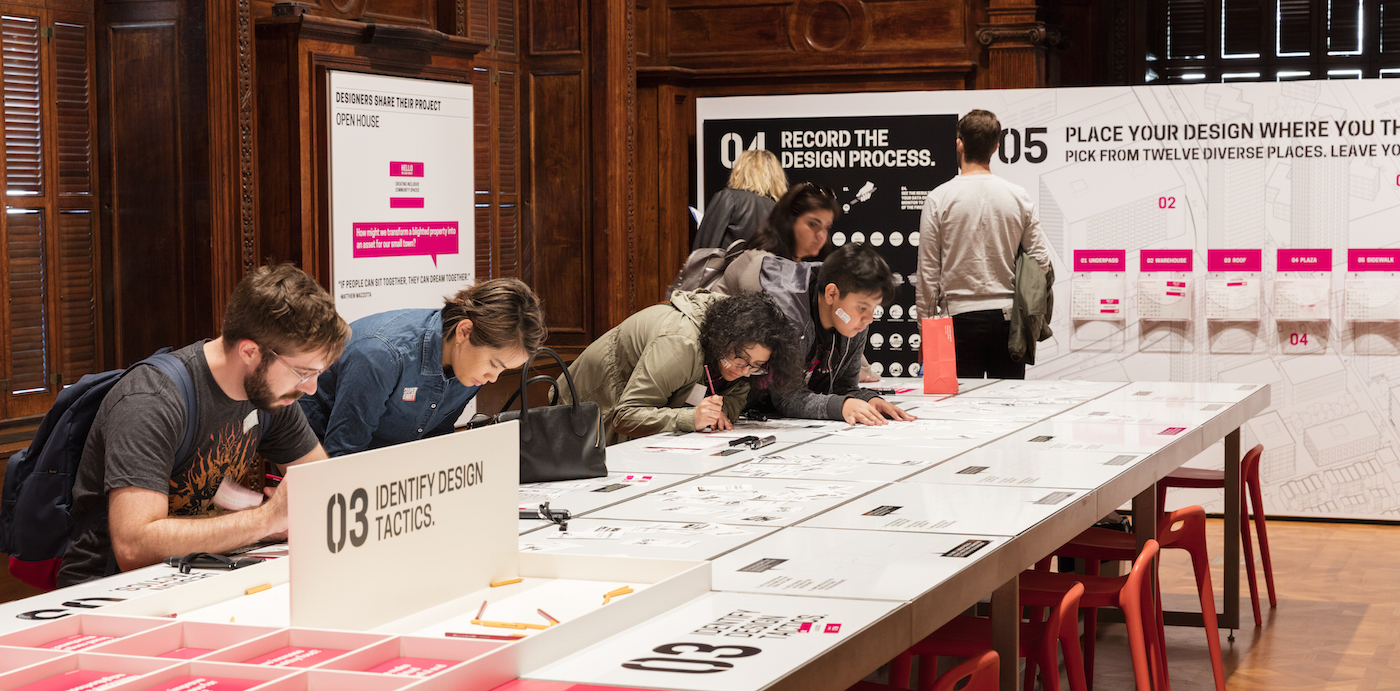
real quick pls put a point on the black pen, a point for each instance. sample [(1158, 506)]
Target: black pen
[(760, 443), (743, 440)]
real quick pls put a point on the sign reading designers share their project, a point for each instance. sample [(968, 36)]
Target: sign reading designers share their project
[(401, 191)]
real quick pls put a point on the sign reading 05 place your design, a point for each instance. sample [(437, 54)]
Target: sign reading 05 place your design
[(401, 180), (879, 169), (387, 532)]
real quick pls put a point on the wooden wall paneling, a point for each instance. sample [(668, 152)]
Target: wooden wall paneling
[(556, 27), (507, 162), (147, 194), (698, 28), (283, 162), (676, 151), (612, 109), (1017, 43), (647, 226), (232, 187), (485, 214), (423, 13), (560, 224)]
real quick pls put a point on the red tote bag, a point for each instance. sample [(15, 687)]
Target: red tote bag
[(940, 357)]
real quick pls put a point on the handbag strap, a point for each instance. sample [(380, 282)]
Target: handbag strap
[(553, 394), (580, 423)]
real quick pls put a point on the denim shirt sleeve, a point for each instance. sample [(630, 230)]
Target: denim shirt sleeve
[(369, 373)]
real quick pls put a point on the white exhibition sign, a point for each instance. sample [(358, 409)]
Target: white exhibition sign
[(403, 528), (401, 191)]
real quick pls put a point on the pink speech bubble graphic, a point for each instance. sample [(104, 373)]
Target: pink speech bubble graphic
[(429, 238)]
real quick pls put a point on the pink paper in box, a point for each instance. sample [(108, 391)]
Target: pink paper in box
[(71, 644), (295, 656), (85, 679), (411, 667), (185, 653), (197, 683)]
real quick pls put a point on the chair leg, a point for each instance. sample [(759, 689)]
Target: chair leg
[(899, 670), (1200, 563), (1074, 661), (928, 671), (1249, 566), (1028, 684), (1256, 501)]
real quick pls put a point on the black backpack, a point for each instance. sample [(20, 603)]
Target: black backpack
[(705, 266), (35, 526)]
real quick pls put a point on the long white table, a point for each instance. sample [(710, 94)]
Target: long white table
[(933, 515)]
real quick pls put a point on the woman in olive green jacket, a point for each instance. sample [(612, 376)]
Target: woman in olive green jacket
[(647, 373)]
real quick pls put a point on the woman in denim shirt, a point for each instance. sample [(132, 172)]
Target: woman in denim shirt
[(408, 374)]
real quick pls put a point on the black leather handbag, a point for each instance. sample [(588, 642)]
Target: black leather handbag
[(557, 442)]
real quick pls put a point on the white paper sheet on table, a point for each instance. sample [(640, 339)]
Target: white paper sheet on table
[(1046, 391), (1020, 468), (1302, 299), (653, 539), (844, 461), (738, 501), (1183, 392), (1075, 435), (823, 562), (931, 508), (582, 496), (1164, 299), (1232, 299), (1372, 298), (778, 634)]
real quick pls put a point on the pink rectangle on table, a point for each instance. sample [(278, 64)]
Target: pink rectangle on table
[(411, 667), (405, 202), (407, 239), (406, 169), (70, 644), (1100, 260), (72, 680), (1234, 260), (1305, 260), (1166, 260), (1173, 430), (192, 682), (1373, 260), (832, 628), (185, 653), (295, 656), (805, 627)]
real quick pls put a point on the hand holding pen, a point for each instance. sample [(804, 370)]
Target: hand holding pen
[(709, 414)]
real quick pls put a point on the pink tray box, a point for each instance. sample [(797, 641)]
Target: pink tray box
[(257, 650), (88, 662), (454, 650), (188, 635), (239, 677), (100, 625)]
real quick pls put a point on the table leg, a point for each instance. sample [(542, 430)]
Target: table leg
[(1146, 513), (1006, 630), (1231, 618)]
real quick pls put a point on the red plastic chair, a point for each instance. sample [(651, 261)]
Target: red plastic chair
[(1182, 529), (1146, 638), (1215, 479), (966, 636), (981, 672)]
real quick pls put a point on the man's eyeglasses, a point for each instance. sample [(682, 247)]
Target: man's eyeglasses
[(301, 378)]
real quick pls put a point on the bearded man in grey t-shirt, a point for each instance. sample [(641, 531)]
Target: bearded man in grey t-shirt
[(141, 504)]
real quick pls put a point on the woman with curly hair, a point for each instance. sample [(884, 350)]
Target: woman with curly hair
[(685, 365)]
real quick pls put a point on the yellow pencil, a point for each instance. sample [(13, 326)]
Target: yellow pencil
[(497, 584), (257, 589)]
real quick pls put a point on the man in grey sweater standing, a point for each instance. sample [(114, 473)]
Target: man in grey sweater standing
[(969, 233)]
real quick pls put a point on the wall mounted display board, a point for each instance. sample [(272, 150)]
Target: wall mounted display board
[(401, 177), (1160, 167), (1373, 285), (756, 640), (1165, 285), (1099, 291), (824, 562), (1234, 285)]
